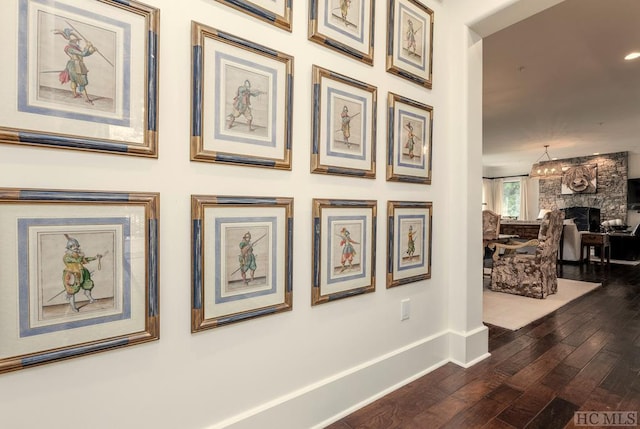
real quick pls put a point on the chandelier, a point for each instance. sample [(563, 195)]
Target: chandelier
[(546, 168)]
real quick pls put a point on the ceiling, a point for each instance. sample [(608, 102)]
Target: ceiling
[(559, 78)]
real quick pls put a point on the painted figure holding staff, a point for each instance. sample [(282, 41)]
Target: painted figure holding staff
[(247, 258), (411, 242), (348, 251), (344, 10), (411, 38), (411, 142), (345, 125), (75, 70), (76, 276)]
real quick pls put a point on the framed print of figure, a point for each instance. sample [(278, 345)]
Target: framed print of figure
[(80, 74), (276, 12), (79, 273), (410, 41), (409, 133), (343, 125), (242, 101), (242, 259), (346, 26), (408, 241), (344, 243)]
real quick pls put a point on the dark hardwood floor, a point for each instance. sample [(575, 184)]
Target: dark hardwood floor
[(583, 357)]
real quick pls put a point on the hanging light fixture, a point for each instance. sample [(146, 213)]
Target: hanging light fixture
[(546, 168)]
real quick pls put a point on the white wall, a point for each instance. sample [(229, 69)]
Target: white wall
[(634, 165), (310, 365), (633, 216)]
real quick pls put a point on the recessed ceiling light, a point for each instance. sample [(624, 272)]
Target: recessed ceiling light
[(632, 56)]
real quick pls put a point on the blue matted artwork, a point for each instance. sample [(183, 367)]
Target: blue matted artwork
[(408, 242), (331, 126), (328, 12), (241, 258), (257, 71), (400, 252), (221, 253), (57, 103), (25, 288), (331, 222), (422, 25), (423, 139), (242, 93)]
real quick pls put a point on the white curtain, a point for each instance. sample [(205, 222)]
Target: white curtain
[(487, 195), (524, 198), (492, 194), (497, 195)]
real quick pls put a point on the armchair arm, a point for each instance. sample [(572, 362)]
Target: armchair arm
[(497, 246)]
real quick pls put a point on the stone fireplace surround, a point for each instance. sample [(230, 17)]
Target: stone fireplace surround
[(611, 193)]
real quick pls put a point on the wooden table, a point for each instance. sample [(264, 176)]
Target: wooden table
[(595, 239), (524, 230)]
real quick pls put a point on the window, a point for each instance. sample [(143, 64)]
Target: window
[(511, 198)]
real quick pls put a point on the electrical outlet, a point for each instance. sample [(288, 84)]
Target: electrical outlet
[(405, 309)]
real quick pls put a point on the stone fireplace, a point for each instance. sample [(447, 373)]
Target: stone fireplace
[(611, 192)]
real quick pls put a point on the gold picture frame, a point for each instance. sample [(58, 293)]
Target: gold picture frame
[(409, 242), (277, 13), (79, 275), (344, 249), (91, 71), (242, 101), (409, 144), (343, 125), (346, 27), (410, 41), (242, 259)]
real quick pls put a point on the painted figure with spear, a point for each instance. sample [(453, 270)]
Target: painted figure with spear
[(344, 10), (247, 258), (411, 242), (75, 70), (411, 142), (345, 127), (411, 38)]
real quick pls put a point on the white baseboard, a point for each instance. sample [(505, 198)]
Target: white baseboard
[(469, 348), (322, 403)]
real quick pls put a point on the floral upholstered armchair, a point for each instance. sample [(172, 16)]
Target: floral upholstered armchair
[(490, 226), (490, 233), (533, 275)]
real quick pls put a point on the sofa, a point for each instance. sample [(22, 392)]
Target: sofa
[(571, 241)]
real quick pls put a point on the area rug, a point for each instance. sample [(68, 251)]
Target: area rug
[(515, 311)]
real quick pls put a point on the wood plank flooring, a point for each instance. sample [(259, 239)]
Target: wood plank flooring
[(583, 357)]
